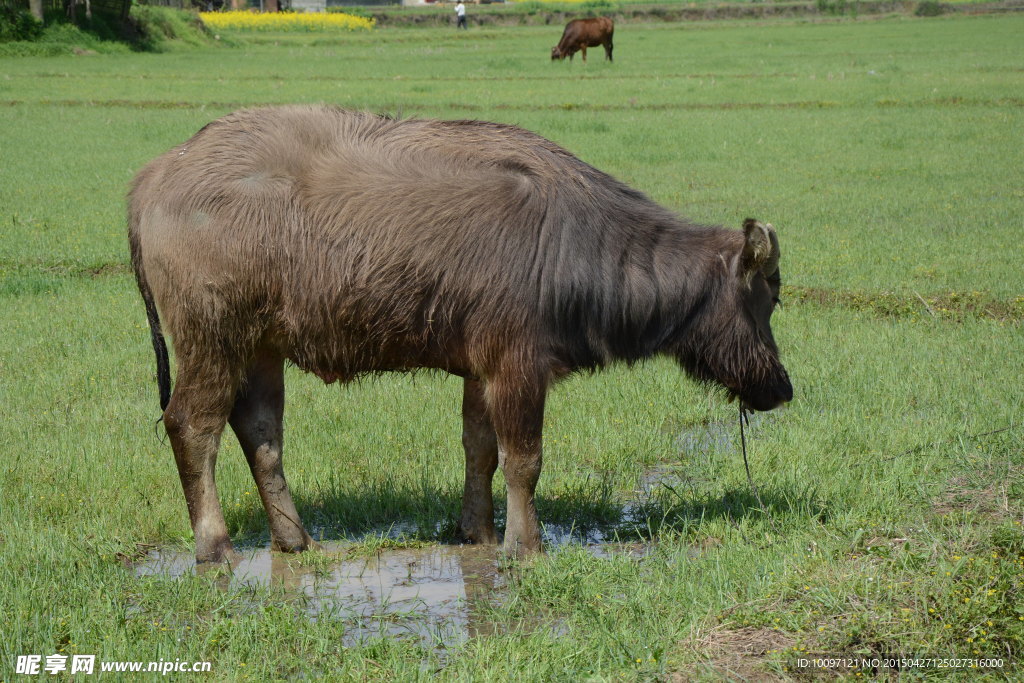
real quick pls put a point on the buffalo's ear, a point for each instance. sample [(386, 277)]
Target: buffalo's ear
[(760, 249)]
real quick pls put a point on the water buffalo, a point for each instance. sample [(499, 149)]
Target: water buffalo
[(349, 243), (579, 34)]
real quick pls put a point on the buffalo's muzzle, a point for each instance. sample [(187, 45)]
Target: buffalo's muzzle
[(768, 398)]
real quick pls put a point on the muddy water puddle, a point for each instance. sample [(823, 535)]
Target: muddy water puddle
[(439, 594), (435, 594)]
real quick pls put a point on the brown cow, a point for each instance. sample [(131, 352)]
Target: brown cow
[(348, 243), (580, 34)]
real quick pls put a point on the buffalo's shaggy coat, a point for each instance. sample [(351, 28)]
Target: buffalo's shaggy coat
[(348, 243)]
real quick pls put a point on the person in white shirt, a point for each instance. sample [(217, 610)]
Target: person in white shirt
[(460, 13)]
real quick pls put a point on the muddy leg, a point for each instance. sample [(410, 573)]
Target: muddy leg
[(257, 422), (517, 411), (608, 50), (481, 446), (584, 51), (194, 420)]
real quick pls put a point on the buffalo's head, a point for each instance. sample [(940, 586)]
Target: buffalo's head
[(734, 345), (556, 53)]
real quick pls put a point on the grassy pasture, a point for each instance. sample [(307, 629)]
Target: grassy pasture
[(886, 152)]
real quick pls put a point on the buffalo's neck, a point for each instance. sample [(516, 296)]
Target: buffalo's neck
[(690, 275), (649, 294)]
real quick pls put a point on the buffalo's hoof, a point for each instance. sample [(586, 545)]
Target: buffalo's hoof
[(296, 545), (486, 536), (218, 552), (519, 550)]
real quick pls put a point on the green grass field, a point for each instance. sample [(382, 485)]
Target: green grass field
[(886, 152)]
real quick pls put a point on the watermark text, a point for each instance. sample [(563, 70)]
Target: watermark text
[(880, 663), (33, 665)]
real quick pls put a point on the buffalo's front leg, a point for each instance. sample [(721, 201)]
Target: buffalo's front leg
[(257, 419), (476, 524), (194, 420), (516, 406)]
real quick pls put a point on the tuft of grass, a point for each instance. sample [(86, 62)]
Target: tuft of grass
[(374, 544)]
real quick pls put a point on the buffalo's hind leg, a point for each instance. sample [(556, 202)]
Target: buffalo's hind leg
[(476, 524), (516, 406), (608, 50), (257, 420), (194, 420)]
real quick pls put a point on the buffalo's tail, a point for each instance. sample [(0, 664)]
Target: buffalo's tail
[(163, 368)]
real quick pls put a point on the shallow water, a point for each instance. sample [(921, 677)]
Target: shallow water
[(437, 594), (432, 593), (719, 436)]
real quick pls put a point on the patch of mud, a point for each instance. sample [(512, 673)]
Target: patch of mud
[(436, 594)]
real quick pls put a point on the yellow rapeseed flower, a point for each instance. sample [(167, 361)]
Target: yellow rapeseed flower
[(285, 21)]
